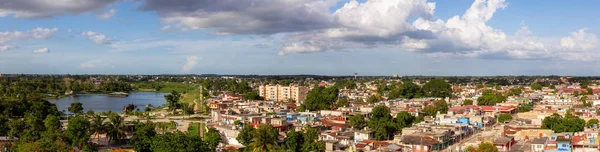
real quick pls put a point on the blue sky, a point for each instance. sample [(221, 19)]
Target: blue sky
[(327, 37)]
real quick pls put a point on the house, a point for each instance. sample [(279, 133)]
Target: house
[(419, 143), (539, 144), (558, 144), (504, 143), (365, 134)]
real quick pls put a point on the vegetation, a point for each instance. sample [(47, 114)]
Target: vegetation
[(592, 123), (489, 98), (357, 121), (536, 86), (486, 147), (320, 98), (76, 108), (438, 106), (468, 102), (525, 108), (504, 117), (568, 123), (437, 88), (384, 126)]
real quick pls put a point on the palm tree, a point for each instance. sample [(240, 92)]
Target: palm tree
[(265, 139), (115, 128), (97, 127)]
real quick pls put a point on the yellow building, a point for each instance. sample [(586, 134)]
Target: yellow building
[(283, 93)]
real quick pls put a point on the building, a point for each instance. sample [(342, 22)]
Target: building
[(283, 93)]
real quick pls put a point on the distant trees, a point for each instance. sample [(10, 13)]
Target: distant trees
[(407, 89), (592, 123), (437, 88), (489, 98), (382, 123), (252, 95), (515, 92), (320, 98), (357, 121), (486, 147), (438, 106), (468, 102), (173, 100), (342, 102), (536, 86), (525, 108), (76, 108), (504, 117), (568, 123)]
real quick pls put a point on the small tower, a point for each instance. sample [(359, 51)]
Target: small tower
[(355, 74)]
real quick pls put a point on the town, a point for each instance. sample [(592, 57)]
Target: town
[(305, 113)]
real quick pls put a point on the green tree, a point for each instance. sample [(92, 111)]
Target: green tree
[(490, 98), (115, 128), (343, 102), (16, 127), (77, 131), (515, 92), (373, 99), (212, 138), (468, 102), (404, 119), (252, 96), (320, 98), (265, 139), (142, 137), (178, 141), (470, 149), (246, 134), (173, 100), (97, 126), (4, 125), (504, 117), (437, 88), (498, 87), (592, 123), (310, 141), (381, 123), (536, 86), (486, 147), (76, 108), (294, 141), (357, 121)]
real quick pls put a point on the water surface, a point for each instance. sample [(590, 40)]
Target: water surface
[(102, 102)]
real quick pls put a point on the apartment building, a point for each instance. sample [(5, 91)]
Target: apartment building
[(283, 93)]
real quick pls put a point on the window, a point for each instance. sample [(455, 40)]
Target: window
[(564, 145)]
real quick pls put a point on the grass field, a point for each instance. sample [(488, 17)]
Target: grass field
[(168, 86), (193, 129)]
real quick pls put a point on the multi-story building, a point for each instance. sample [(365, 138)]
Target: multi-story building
[(283, 93)]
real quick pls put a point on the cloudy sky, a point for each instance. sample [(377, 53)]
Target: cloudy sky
[(327, 37)]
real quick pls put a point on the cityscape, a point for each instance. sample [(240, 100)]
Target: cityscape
[(299, 76)]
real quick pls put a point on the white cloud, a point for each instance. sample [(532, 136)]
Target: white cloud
[(36, 33), (190, 63), (69, 30), (5, 47), (91, 64), (42, 50), (579, 40), (107, 14), (50, 8), (98, 38)]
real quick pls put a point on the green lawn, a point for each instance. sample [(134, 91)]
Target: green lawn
[(193, 129)]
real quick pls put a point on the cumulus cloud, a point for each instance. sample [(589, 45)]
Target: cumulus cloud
[(5, 47), (190, 63), (579, 40), (36, 33), (98, 38), (50, 8), (41, 50), (107, 14)]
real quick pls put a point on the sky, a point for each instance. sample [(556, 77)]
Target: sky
[(287, 37)]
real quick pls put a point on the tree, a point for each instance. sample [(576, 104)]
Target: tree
[(515, 92), (310, 141), (592, 123), (16, 127), (373, 99), (343, 102), (381, 123), (404, 119), (212, 138), (536, 86), (504, 117), (294, 141), (438, 106), (568, 123), (437, 88), (357, 121), (252, 96), (470, 149), (498, 87), (486, 147), (468, 102), (76, 108), (490, 98), (77, 131), (265, 139), (246, 134), (320, 98), (115, 128), (97, 126), (173, 100), (584, 84), (4, 125), (178, 141)]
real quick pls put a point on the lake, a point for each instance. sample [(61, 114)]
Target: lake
[(102, 102)]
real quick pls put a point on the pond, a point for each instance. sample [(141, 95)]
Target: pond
[(103, 103)]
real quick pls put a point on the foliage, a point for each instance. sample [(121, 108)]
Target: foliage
[(404, 119), (294, 141), (438, 106), (408, 90), (311, 137), (265, 139), (568, 123), (212, 137), (515, 92), (437, 88), (592, 123), (115, 128), (173, 100), (486, 147), (525, 108), (468, 102), (504, 117), (357, 121), (246, 134), (536, 86), (252, 95), (373, 99), (178, 142), (343, 102), (382, 123), (97, 126), (489, 98), (470, 148), (76, 108), (77, 131), (320, 98)]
